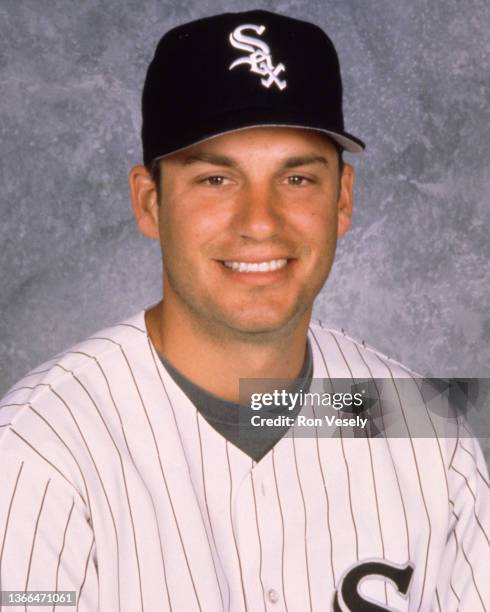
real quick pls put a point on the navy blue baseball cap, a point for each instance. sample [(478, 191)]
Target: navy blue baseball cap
[(239, 70)]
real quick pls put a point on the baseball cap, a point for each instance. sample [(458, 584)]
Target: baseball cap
[(237, 70)]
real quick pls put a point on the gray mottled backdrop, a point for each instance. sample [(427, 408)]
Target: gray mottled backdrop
[(412, 277)]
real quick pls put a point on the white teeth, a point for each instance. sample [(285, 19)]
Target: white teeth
[(263, 266)]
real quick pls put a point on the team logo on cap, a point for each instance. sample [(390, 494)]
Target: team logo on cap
[(259, 58)]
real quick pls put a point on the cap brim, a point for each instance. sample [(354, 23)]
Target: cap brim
[(346, 141)]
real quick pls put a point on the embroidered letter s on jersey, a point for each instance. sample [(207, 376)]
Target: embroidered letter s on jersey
[(348, 598)]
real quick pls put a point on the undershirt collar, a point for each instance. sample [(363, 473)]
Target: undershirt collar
[(231, 419)]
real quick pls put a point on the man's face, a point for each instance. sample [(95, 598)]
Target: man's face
[(248, 224)]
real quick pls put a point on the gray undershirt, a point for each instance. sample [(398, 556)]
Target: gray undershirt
[(232, 420)]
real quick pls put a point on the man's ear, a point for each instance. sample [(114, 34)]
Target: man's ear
[(144, 201), (346, 199)]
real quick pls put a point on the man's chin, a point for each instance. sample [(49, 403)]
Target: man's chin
[(260, 328)]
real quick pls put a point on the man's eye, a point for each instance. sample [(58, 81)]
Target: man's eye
[(297, 180), (215, 181)]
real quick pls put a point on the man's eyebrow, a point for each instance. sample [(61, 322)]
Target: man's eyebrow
[(209, 158), (303, 160)]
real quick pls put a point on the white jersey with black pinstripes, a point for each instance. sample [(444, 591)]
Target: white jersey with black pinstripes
[(114, 486)]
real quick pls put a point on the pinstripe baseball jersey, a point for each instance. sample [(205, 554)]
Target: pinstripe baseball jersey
[(114, 486)]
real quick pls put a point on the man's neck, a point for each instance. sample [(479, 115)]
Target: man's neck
[(217, 364)]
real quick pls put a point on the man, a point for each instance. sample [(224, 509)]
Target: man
[(125, 475)]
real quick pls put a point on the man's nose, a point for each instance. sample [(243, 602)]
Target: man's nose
[(258, 213)]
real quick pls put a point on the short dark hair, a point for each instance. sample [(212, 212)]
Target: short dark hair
[(340, 153), (155, 168)]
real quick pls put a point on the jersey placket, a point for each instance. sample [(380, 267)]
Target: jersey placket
[(259, 532)]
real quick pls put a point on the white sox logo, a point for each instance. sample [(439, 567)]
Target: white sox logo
[(259, 57), (347, 597)]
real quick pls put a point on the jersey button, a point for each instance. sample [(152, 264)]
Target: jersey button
[(273, 596)]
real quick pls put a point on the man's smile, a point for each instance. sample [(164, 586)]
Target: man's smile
[(261, 271), (261, 266)]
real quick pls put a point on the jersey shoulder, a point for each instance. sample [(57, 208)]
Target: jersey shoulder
[(60, 371), (345, 356), (411, 405), (54, 418)]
